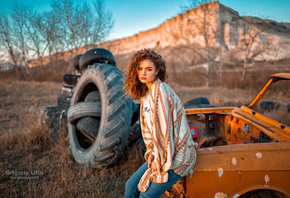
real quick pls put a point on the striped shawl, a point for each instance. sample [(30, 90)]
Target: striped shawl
[(169, 139)]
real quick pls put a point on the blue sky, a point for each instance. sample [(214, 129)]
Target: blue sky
[(133, 16)]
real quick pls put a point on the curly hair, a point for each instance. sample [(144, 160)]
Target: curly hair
[(133, 87)]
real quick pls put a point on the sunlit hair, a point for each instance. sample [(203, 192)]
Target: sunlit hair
[(133, 87)]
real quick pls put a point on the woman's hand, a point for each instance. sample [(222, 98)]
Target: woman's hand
[(150, 160), (154, 166), (151, 163)]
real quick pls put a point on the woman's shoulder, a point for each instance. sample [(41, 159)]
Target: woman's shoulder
[(145, 97), (167, 89)]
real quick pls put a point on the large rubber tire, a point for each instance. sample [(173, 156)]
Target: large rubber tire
[(52, 118), (76, 61), (83, 109), (269, 105), (89, 127), (115, 119), (98, 55), (70, 79), (195, 101), (201, 102), (63, 100), (94, 96), (135, 132)]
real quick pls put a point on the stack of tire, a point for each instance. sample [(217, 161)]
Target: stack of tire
[(55, 117), (101, 119)]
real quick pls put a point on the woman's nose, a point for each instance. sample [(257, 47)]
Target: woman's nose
[(143, 71)]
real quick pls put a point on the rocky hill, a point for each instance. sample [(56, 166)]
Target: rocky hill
[(209, 31)]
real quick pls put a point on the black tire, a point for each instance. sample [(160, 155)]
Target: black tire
[(76, 62), (68, 90), (89, 126), (63, 100), (83, 109), (139, 145), (269, 105), (136, 114), (97, 55), (263, 193), (135, 132), (94, 96), (115, 119), (52, 118), (70, 79), (198, 103)]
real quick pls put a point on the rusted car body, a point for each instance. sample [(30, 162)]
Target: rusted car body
[(249, 154)]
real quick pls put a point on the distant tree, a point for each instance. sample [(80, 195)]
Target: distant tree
[(103, 22), (69, 14), (8, 41), (253, 43), (85, 31), (200, 25), (19, 31), (47, 25)]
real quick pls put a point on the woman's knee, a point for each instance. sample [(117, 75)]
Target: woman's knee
[(129, 184), (131, 189)]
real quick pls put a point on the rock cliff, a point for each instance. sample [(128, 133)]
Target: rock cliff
[(209, 31)]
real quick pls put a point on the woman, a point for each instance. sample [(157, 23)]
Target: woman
[(170, 150)]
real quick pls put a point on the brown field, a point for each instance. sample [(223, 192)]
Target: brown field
[(27, 149)]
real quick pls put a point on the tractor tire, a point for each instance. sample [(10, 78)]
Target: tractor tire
[(269, 105), (115, 120), (52, 118), (89, 127), (94, 96), (76, 62), (63, 100), (98, 55), (135, 132), (70, 79), (198, 103), (83, 109)]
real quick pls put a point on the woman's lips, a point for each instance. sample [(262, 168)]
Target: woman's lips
[(143, 78)]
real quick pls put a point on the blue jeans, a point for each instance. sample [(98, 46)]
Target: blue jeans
[(154, 189)]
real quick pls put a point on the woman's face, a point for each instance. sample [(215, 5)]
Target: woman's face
[(147, 72)]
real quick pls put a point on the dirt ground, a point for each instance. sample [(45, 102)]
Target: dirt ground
[(34, 166)]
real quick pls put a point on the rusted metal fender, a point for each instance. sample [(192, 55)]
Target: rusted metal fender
[(232, 170)]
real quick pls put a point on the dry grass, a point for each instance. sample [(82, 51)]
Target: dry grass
[(27, 147), (44, 167)]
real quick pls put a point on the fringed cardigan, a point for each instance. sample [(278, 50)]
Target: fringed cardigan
[(168, 138)]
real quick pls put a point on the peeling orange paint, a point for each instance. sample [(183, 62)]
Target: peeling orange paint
[(220, 195)]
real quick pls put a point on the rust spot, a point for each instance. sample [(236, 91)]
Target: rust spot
[(220, 171), (220, 194), (234, 161), (190, 172), (259, 155), (267, 178), (238, 172), (236, 195)]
